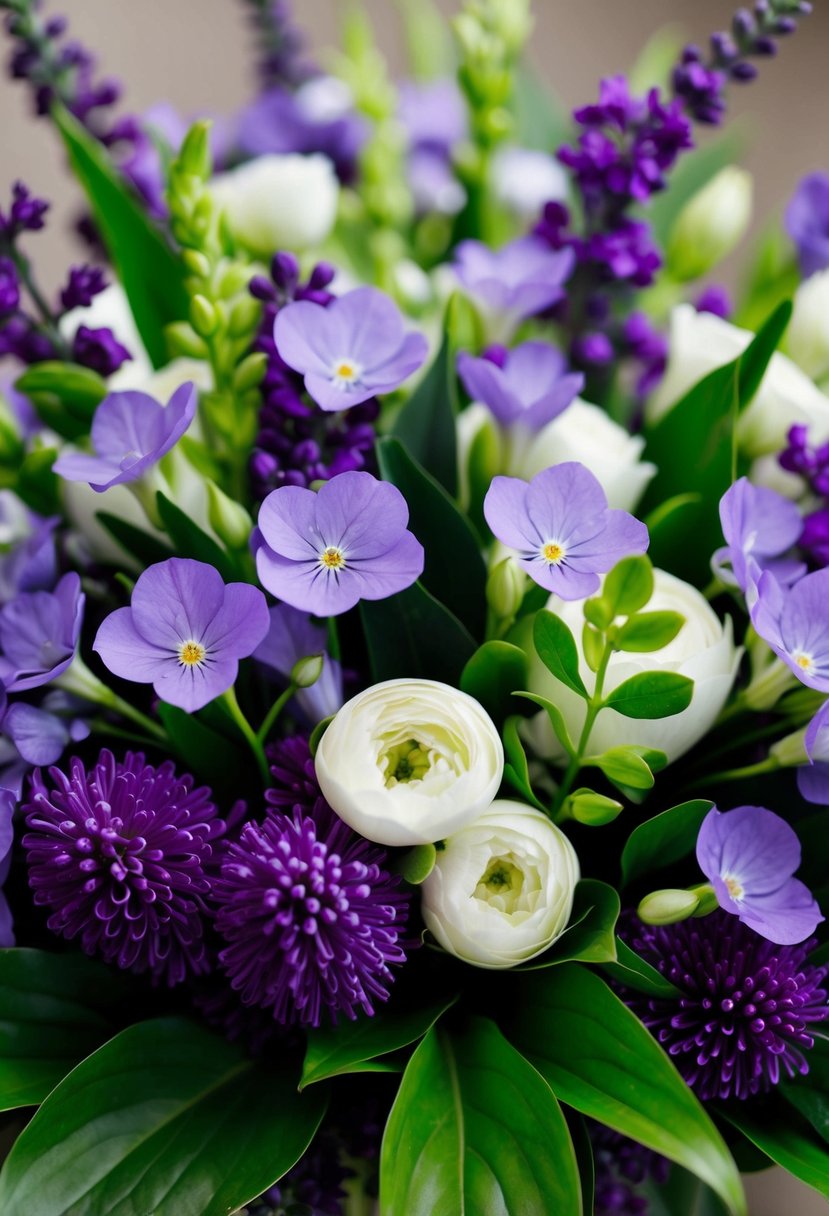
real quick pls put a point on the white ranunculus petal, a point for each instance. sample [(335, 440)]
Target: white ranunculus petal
[(279, 201)]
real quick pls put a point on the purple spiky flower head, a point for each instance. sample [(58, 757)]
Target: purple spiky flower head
[(311, 917), (743, 1020), (118, 854)]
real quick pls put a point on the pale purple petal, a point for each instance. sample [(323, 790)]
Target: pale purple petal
[(288, 523), (567, 583), (39, 736), (566, 502), (385, 574), (360, 514), (331, 396), (302, 337), (621, 536), (127, 653), (39, 633), (191, 688), (240, 624), (813, 782), (291, 636), (787, 916), (373, 322), (406, 359), (308, 586), (505, 511), (486, 382), (175, 601), (7, 805)]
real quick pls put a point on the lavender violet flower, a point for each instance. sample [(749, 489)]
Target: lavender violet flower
[(529, 384), (39, 633)]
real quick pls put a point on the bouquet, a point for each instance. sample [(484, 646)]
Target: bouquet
[(414, 640)]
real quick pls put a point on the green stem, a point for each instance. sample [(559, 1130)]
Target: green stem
[(595, 704), (47, 316), (232, 706), (770, 765), (102, 727), (274, 712), (80, 681)]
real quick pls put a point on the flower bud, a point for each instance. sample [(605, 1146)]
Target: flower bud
[(227, 518), (203, 316), (307, 671), (807, 338), (667, 907), (711, 224), (505, 588), (593, 810)]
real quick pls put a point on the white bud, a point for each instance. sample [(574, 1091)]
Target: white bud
[(711, 224), (807, 338)]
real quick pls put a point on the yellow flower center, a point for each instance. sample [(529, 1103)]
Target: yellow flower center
[(735, 888), (191, 654), (804, 661), (553, 553), (332, 558), (346, 372)]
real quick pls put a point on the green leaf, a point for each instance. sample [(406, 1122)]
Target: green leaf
[(165, 1118), (589, 937), (215, 759), (785, 1137), (633, 971), (556, 718), (595, 810), (147, 267), (317, 733), (412, 635), (455, 572), (475, 1129), (556, 647), (652, 694), (65, 395), (417, 863), (37, 485), (492, 675), (602, 1061), (664, 839), (646, 631), (809, 1094), (53, 1011), (592, 644), (623, 766), (628, 586), (541, 121), (334, 1051), (516, 770), (191, 541), (143, 546)]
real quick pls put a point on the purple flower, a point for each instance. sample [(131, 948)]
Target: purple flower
[(530, 384), (760, 526), (716, 300), (295, 786), (26, 213), (84, 283), (184, 632), (351, 350), (99, 350), (433, 113), (807, 222), (118, 854), (39, 633), (324, 552), (292, 636), (813, 778), (809, 461), (311, 916), (795, 623), (131, 432), (741, 1023), (8, 801), (749, 856), (814, 540), (519, 280), (31, 564), (562, 528), (433, 183), (40, 735), (9, 287), (318, 117)]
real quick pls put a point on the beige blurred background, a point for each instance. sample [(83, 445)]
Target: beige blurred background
[(194, 53)]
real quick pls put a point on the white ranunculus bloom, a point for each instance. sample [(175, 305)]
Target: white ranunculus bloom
[(502, 888), (110, 310), (700, 342), (279, 201), (410, 761), (711, 223), (703, 649), (807, 338)]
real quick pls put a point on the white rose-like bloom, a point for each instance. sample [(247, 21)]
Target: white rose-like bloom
[(279, 202), (700, 342), (410, 761), (501, 890), (807, 338), (703, 649)]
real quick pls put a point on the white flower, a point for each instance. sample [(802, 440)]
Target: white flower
[(807, 338), (110, 309), (502, 888), (710, 224), (524, 179), (700, 342), (279, 202), (410, 761), (703, 650)]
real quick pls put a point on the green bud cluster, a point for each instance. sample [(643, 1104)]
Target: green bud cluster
[(490, 36)]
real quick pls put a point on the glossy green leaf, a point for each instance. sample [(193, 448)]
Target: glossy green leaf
[(331, 1052), (495, 671), (54, 1010), (36, 484), (595, 810), (633, 971), (190, 540), (166, 1118), (210, 755), (601, 1060), (317, 733), (454, 572), (647, 631), (623, 766), (664, 839), (628, 586), (475, 1129), (784, 1136), (556, 718), (147, 267), (592, 644), (143, 546), (412, 635), (652, 694), (590, 936), (417, 863), (516, 770), (556, 647), (809, 1094)]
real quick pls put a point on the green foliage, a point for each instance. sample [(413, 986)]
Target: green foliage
[(411, 634), (647, 631), (651, 694), (592, 809), (627, 766), (664, 839), (516, 771), (143, 546), (190, 540), (589, 937), (628, 968), (784, 1136), (65, 395), (210, 755), (495, 671), (627, 588), (417, 864), (556, 647)]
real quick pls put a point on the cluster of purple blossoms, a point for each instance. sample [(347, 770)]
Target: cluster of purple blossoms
[(622, 1165), (281, 46), (807, 223), (811, 462)]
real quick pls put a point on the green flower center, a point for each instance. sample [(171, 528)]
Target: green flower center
[(406, 761), (502, 883)]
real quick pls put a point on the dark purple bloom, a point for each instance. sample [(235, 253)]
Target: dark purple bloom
[(314, 1185), (84, 283), (621, 1166), (9, 287), (118, 854), (293, 636), (530, 384), (813, 778), (311, 916), (39, 633), (131, 432), (26, 213), (742, 1022), (520, 279), (701, 88), (814, 539), (749, 856), (807, 222), (760, 526), (624, 253), (99, 350), (354, 349), (8, 801), (562, 528), (716, 300), (324, 552), (295, 786), (810, 462), (184, 632), (795, 623)]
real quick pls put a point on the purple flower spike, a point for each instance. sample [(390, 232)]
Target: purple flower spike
[(807, 222), (520, 279), (39, 633), (562, 528), (293, 636), (351, 350), (795, 623), (184, 632), (530, 386), (759, 525), (813, 778), (130, 433), (324, 552), (749, 856)]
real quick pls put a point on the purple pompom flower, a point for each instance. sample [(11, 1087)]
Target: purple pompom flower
[(324, 552), (561, 526), (749, 856), (99, 350), (130, 433), (813, 778), (184, 632), (529, 384), (807, 222), (760, 526), (795, 623), (742, 1021), (295, 786), (293, 636), (8, 802), (118, 855), (519, 280), (311, 916), (39, 633), (350, 350)]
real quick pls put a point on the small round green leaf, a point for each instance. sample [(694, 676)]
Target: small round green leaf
[(629, 585), (624, 766), (647, 631), (556, 648), (652, 694)]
